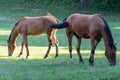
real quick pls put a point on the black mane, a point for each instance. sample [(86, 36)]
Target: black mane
[(13, 29), (107, 29)]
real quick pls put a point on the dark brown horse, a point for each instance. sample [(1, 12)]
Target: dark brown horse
[(94, 27), (33, 26)]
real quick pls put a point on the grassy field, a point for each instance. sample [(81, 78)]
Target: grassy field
[(37, 68)]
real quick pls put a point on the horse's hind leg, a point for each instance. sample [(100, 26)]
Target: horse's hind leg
[(56, 45), (78, 49), (48, 50), (69, 35), (49, 46)]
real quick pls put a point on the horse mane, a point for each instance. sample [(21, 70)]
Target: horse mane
[(14, 28), (107, 29)]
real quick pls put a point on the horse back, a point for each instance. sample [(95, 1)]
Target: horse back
[(35, 25), (86, 25)]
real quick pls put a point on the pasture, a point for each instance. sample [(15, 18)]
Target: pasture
[(37, 68)]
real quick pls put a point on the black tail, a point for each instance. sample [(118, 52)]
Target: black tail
[(61, 25)]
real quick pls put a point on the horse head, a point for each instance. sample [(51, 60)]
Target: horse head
[(11, 47), (111, 55)]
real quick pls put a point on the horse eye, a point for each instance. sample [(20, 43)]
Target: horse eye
[(113, 54)]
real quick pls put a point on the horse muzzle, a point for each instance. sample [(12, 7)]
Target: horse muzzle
[(112, 63), (9, 54)]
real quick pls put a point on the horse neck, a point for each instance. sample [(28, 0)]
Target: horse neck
[(107, 41), (13, 36), (107, 35)]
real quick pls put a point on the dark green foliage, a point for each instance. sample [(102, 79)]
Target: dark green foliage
[(37, 3), (102, 5), (106, 5)]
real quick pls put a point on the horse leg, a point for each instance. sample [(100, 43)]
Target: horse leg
[(56, 45), (49, 46), (21, 52), (26, 44), (78, 49), (94, 43), (69, 35)]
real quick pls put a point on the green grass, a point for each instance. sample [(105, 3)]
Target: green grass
[(37, 68)]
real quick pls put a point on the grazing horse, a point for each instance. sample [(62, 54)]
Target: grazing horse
[(94, 27), (33, 26)]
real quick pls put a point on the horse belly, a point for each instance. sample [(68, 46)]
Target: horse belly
[(36, 31), (83, 33)]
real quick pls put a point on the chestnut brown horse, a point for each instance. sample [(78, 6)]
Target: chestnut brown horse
[(94, 27), (33, 26)]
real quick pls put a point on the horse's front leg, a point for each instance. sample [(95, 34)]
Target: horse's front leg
[(21, 52), (94, 43), (91, 59), (25, 40), (26, 45)]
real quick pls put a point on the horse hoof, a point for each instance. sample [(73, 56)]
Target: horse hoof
[(91, 64), (10, 55), (18, 55), (81, 62), (56, 56), (45, 56), (71, 61)]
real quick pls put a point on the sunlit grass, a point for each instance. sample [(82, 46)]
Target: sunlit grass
[(39, 52), (5, 32), (56, 68)]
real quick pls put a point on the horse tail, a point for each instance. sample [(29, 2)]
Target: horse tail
[(64, 24), (107, 29)]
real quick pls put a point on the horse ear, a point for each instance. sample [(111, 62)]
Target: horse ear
[(7, 40), (49, 14), (115, 44), (58, 21)]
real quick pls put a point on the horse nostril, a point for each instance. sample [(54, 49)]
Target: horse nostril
[(112, 63), (10, 55)]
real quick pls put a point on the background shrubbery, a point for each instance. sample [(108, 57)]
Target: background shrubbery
[(102, 5), (106, 5)]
